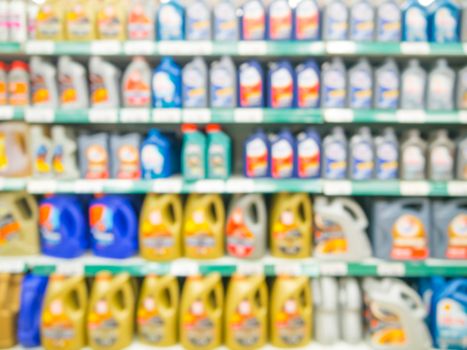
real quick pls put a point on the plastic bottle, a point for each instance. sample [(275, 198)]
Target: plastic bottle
[(167, 83), (171, 21), (64, 313), (113, 221), (335, 152), (308, 155), (307, 20), (4, 21), (462, 88), (351, 307), (44, 83), (204, 222), (225, 21), (73, 84), (18, 22), (219, 153), (80, 16), (335, 21), (94, 156), (414, 21), (339, 233), (463, 23), (140, 20), (157, 156), (198, 21), (388, 21), (3, 84), (250, 85), (18, 84), (246, 227), (387, 155), (283, 150), (15, 155), (246, 305), (333, 84), (10, 287), (160, 227), (444, 21), (136, 84), (257, 155), (461, 158), (125, 149), (307, 87), (362, 21), (413, 85), (441, 85), (441, 156), (279, 20), (291, 226), (110, 320), (195, 84), (111, 20), (105, 83), (201, 315), (223, 87), (64, 153), (326, 297), (413, 156), (362, 155), (387, 85), (194, 155), (281, 85), (291, 312), (157, 311), (42, 147), (50, 22), (253, 20), (360, 89)]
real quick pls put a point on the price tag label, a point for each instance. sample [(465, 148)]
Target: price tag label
[(254, 48), (411, 116), (39, 115), (249, 269), (12, 266), (341, 47), (391, 269), (414, 188), (139, 48), (40, 47), (464, 46), (337, 188), (70, 268), (334, 269), (463, 117), (248, 115), (119, 186), (196, 115), (167, 186), (105, 47), (240, 186), (288, 269), (42, 186), (184, 268), (167, 115), (185, 48), (6, 112), (134, 115), (88, 186), (415, 48), (457, 188), (209, 186), (104, 115), (336, 115)]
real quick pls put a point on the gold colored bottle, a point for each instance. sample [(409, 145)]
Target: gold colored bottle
[(10, 290), (50, 24), (80, 21), (111, 20)]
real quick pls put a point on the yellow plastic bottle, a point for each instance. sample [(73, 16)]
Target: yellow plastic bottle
[(63, 321), (203, 230), (15, 154), (291, 308), (160, 227), (111, 312), (80, 24), (111, 20), (201, 312), (291, 225), (246, 317), (157, 311), (19, 216), (10, 290), (50, 23)]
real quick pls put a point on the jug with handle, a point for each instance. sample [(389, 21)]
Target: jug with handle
[(15, 155), (10, 286)]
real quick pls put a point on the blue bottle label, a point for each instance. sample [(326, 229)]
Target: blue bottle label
[(387, 90), (451, 321), (170, 23), (194, 89), (362, 161), (337, 22), (334, 89), (389, 23), (198, 22), (222, 89), (362, 22), (416, 25), (387, 161), (225, 22), (165, 91), (152, 161), (360, 89), (308, 88), (49, 225), (102, 225), (307, 21), (335, 160), (445, 26)]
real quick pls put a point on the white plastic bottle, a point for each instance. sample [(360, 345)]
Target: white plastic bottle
[(64, 154), (17, 21), (41, 146), (351, 308), (413, 86), (462, 87), (72, 77), (105, 83), (441, 82), (4, 20), (325, 298), (44, 83)]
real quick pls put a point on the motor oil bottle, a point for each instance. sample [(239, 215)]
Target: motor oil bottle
[(15, 155), (126, 162), (461, 158), (291, 226), (444, 21), (63, 320), (335, 152), (195, 84), (18, 224), (462, 88), (291, 312), (308, 155), (111, 20), (414, 21), (326, 297), (201, 315), (105, 83), (307, 87), (246, 312), (140, 20), (203, 229), (157, 159), (113, 222), (136, 84), (4, 21), (362, 155), (351, 308), (198, 21), (225, 27), (43, 83), (401, 229), (49, 21), (41, 144), (193, 153), (307, 20), (279, 20), (257, 155), (80, 20), (335, 21), (387, 85), (246, 227), (360, 81), (160, 227), (340, 230), (223, 83), (250, 85), (110, 319), (441, 156), (281, 85), (441, 85), (219, 152), (387, 155), (388, 21), (18, 84), (3, 84), (94, 155), (413, 156), (157, 311), (73, 84), (10, 289), (167, 83), (18, 21), (171, 21), (333, 84), (64, 153), (253, 20), (283, 150), (362, 21)]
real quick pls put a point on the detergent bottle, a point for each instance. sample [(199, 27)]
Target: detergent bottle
[(283, 150), (339, 232), (15, 159), (250, 84), (105, 83), (326, 297), (18, 21), (246, 227), (64, 154), (29, 318), (80, 20), (281, 84), (167, 83), (387, 85), (3, 84), (160, 227), (110, 320), (113, 222), (18, 224), (280, 21), (198, 21), (335, 155), (64, 313), (414, 21), (204, 223), (335, 21), (413, 156), (291, 226), (157, 159), (401, 229), (307, 85), (43, 83), (387, 155), (307, 20), (461, 158), (126, 163), (351, 307), (195, 84), (18, 84), (49, 21), (225, 21), (333, 84), (253, 20), (73, 84), (308, 155), (171, 21), (157, 311), (10, 289), (140, 20), (257, 155), (193, 153), (444, 21), (136, 84), (223, 87), (362, 155), (246, 312), (441, 156), (94, 159), (462, 88), (201, 315), (41, 145), (441, 85), (219, 152), (388, 21), (360, 89), (291, 312), (362, 21), (111, 20)]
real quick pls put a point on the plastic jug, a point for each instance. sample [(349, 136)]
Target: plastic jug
[(193, 153), (63, 320), (413, 85), (125, 150), (362, 21), (136, 84), (18, 21), (441, 85), (444, 21), (18, 224), (335, 155), (64, 154), (204, 223), (387, 155), (388, 21), (160, 227), (105, 83), (15, 159), (291, 226), (171, 21), (3, 84), (413, 156), (333, 84), (283, 150), (167, 82), (73, 84), (223, 87), (401, 229), (291, 312), (326, 297), (43, 83), (157, 156), (225, 21), (219, 152), (307, 87), (461, 158), (94, 156), (10, 288), (111, 20), (246, 227), (253, 20), (362, 155), (246, 306), (114, 227), (441, 156), (307, 20), (80, 20), (339, 232), (140, 20), (49, 21), (198, 21), (110, 320), (414, 21), (195, 84), (201, 312), (257, 155), (279, 20), (18, 84), (250, 85), (308, 155), (462, 88), (281, 84), (387, 85), (29, 318), (360, 85), (335, 21), (157, 311), (42, 147), (351, 307)]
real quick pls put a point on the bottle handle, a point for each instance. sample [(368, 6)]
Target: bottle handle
[(408, 294), (127, 214), (31, 210), (355, 211), (79, 227)]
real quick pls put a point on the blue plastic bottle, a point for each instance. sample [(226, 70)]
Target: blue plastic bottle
[(250, 85), (195, 84), (225, 21), (414, 21), (257, 155), (32, 294), (308, 155), (283, 149), (333, 84), (388, 22), (114, 226), (307, 20), (156, 156), (279, 20), (387, 155), (307, 87), (360, 85), (362, 21), (444, 21), (167, 85), (63, 226), (198, 21), (253, 20), (281, 85), (361, 155), (171, 21), (335, 155)]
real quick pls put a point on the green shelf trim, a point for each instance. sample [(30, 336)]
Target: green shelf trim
[(10, 47)]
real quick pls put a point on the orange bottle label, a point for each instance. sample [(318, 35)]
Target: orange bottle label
[(57, 326), (9, 229), (410, 241), (199, 239), (330, 237), (457, 238), (18, 92), (155, 234), (240, 240)]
